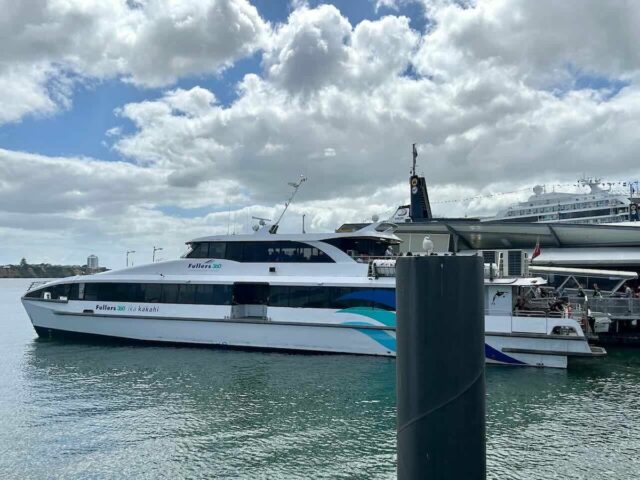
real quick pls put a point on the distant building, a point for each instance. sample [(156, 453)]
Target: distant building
[(92, 262)]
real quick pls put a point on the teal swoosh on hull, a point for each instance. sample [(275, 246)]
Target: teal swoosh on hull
[(388, 341), (384, 338), (385, 317)]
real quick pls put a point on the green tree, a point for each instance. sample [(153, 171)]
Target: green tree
[(23, 263)]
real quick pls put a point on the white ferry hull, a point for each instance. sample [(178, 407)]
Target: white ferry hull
[(287, 334), (215, 332)]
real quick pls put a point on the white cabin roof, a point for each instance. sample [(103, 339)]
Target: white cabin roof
[(374, 231)]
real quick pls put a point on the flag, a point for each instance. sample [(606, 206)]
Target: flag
[(536, 250)]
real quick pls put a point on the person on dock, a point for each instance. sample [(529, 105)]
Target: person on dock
[(596, 291), (581, 293)]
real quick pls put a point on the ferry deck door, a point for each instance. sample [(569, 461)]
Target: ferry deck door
[(250, 300)]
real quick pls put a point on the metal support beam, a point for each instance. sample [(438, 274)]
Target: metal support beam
[(456, 237), (554, 235)]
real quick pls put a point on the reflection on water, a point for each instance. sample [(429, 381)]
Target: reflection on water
[(581, 423), (113, 411), (190, 411)]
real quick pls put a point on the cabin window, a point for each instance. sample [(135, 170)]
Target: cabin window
[(169, 293), (91, 291), (152, 292), (279, 296), (213, 295), (217, 250), (360, 246), (262, 252), (234, 251), (35, 293), (204, 294), (256, 252), (187, 293), (199, 250), (66, 290), (293, 296)]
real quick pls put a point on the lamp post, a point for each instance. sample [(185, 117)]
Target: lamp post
[(128, 252), (155, 249), (303, 215)]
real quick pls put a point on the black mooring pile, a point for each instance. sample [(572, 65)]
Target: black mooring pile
[(440, 368)]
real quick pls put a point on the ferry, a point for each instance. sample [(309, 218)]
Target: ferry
[(332, 293)]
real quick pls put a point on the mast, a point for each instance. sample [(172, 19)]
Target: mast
[(420, 205), (296, 186), (415, 156)]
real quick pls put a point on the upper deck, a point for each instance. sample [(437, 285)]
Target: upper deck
[(374, 240)]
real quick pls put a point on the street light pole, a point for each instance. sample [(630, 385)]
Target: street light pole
[(128, 252), (303, 215), (155, 249)]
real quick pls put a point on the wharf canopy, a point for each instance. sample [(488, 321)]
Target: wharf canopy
[(582, 245)]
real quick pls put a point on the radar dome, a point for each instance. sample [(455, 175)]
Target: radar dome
[(375, 218), (538, 189)]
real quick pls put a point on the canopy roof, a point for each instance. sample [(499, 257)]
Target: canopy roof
[(476, 235), (585, 272)]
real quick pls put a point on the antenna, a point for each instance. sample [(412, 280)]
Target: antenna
[(415, 156), (262, 221), (296, 186)]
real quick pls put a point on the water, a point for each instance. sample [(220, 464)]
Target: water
[(104, 411)]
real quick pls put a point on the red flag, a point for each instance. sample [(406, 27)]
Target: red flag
[(536, 250)]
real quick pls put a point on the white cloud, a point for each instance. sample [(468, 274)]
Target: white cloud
[(24, 89), (150, 43), (535, 41), (309, 51)]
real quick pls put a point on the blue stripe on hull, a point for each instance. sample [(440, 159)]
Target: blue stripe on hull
[(388, 341), (491, 353)]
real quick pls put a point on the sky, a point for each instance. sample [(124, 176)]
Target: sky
[(129, 124)]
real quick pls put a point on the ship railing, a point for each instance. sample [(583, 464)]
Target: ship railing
[(35, 284), (381, 267), (615, 307)]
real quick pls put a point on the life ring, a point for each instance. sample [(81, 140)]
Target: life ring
[(414, 182)]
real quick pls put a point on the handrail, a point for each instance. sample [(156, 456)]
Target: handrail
[(36, 283)]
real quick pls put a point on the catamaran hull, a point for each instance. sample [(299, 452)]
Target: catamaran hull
[(50, 320)]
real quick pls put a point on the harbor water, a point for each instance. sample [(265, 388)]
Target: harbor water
[(80, 410)]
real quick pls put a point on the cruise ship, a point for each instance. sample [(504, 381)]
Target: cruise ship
[(332, 292), (598, 206)]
